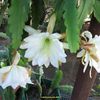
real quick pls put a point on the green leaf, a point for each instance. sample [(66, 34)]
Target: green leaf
[(38, 12), (57, 79), (97, 9), (85, 8), (22, 95), (18, 13), (66, 88), (8, 94), (71, 23), (58, 5)]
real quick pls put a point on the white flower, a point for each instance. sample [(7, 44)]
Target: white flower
[(43, 48), (14, 75), (90, 52)]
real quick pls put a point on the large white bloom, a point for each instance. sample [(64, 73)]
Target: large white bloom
[(90, 52), (14, 75), (43, 48)]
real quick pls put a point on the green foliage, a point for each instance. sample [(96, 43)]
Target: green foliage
[(97, 9), (2, 11), (85, 8), (18, 14), (71, 23), (66, 88), (37, 12), (21, 95), (58, 5), (3, 35), (57, 79), (8, 94)]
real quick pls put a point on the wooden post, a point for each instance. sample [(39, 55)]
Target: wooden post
[(84, 83)]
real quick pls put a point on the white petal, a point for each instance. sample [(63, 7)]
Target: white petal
[(86, 65), (30, 30), (81, 53), (54, 61), (17, 76), (90, 73), (42, 53), (56, 36), (26, 45), (62, 59), (34, 62), (86, 62), (32, 38), (65, 46), (87, 34), (98, 67)]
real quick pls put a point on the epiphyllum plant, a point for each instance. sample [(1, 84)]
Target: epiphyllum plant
[(14, 75), (90, 52), (43, 48)]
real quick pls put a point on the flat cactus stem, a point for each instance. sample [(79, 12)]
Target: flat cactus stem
[(84, 83)]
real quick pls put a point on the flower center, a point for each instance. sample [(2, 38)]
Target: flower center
[(46, 45), (47, 41)]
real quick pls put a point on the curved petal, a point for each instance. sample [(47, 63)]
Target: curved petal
[(87, 34), (56, 36), (16, 59), (81, 53), (30, 30)]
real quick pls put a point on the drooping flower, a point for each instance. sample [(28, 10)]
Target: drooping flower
[(43, 48), (14, 75), (90, 52)]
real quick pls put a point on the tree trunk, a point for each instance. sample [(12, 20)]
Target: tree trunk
[(84, 83)]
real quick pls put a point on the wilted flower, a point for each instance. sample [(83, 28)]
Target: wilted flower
[(14, 75), (43, 48), (90, 52)]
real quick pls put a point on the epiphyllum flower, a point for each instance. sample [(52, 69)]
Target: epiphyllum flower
[(14, 75), (43, 48), (90, 52)]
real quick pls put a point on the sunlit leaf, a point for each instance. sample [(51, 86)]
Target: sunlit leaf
[(57, 79), (71, 23), (85, 8), (8, 94), (97, 9), (18, 13), (58, 5)]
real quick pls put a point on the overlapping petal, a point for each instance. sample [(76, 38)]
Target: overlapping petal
[(14, 75), (90, 52), (44, 48)]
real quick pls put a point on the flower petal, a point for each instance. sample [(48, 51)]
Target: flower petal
[(87, 34), (30, 30), (80, 53)]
